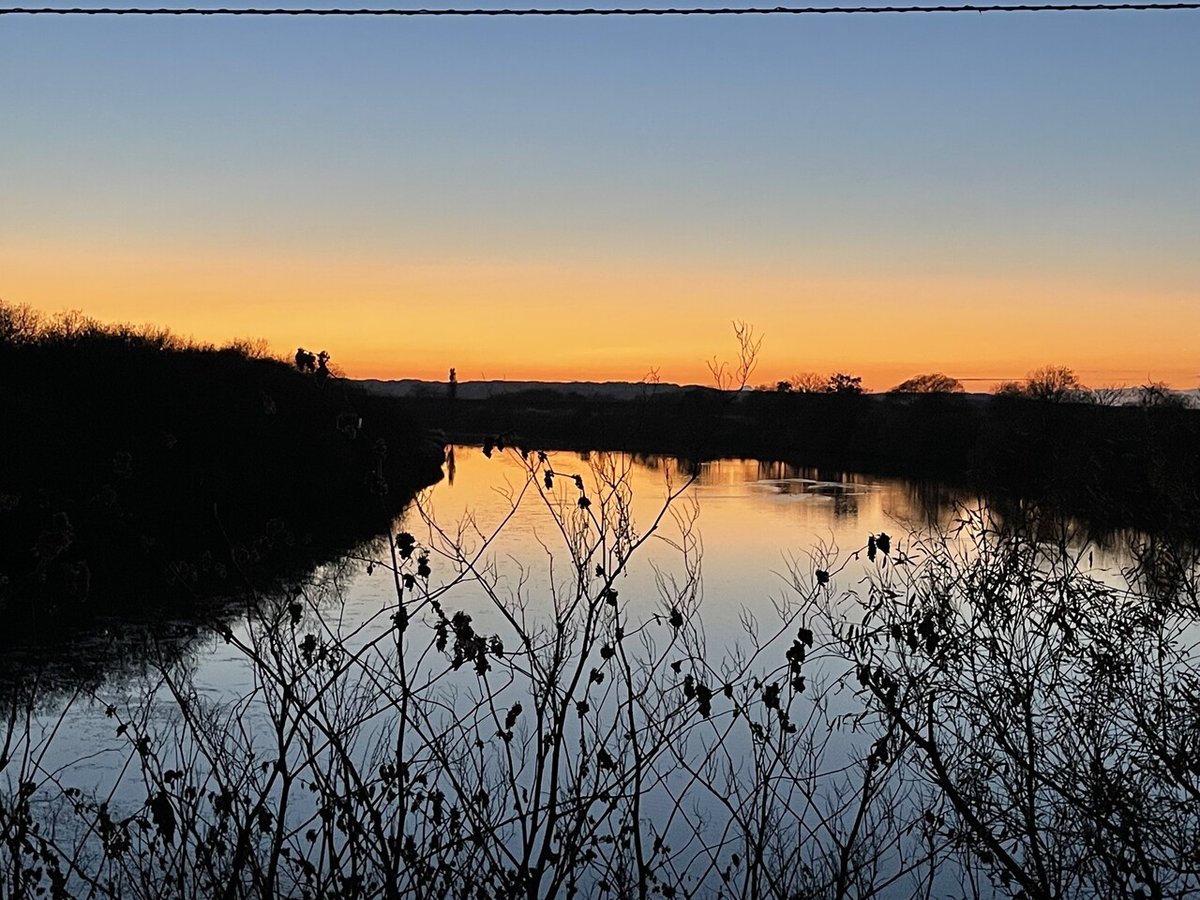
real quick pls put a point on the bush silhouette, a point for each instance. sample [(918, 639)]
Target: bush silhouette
[(932, 383)]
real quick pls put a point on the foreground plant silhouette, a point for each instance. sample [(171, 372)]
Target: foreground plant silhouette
[(1049, 716), (979, 716)]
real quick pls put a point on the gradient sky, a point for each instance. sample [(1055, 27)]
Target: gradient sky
[(590, 198)]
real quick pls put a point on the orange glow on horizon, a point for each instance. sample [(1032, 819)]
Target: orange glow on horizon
[(586, 321)]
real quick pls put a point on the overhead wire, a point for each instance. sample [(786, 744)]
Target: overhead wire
[(535, 11)]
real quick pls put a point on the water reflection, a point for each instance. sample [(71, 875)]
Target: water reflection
[(772, 503)]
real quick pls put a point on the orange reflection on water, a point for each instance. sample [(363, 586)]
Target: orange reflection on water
[(747, 506)]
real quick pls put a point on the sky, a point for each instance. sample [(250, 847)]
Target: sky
[(598, 198)]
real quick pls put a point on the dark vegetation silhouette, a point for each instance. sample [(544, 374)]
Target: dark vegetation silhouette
[(812, 383), (1061, 385), (1055, 383), (843, 383), (808, 383), (140, 467), (930, 383), (1156, 394)]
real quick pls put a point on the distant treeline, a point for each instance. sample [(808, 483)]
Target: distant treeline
[(137, 467), (1116, 466)]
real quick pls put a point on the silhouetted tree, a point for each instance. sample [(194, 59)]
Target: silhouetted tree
[(931, 383), (727, 378), (18, 324), (1158, 395), (1108, 395), (808, 383), (1055, 383), (842, 383)]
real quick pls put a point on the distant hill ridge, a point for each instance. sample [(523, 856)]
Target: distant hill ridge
[(584, 390), (632, 390), (483, 390)]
